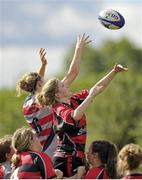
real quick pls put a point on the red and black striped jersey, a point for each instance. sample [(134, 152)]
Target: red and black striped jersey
[(40, 118), (34, 165), (71, 134), (97, 173)]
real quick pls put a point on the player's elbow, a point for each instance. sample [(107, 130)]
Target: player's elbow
[(77, 115)]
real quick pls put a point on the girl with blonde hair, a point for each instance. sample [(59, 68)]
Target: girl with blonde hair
[(129, 161), (28, 160), (69, 119)]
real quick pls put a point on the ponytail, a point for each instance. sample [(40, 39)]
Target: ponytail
[(112, 161), (40, 98), (129, 158), (15, 160), (21, 141), (27, 83)]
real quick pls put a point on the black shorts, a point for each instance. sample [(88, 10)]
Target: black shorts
[(68, 165)]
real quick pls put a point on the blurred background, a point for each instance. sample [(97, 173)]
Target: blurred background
[(28, 25)]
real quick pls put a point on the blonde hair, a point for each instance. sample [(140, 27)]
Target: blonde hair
[(27, 83), (47, 94), (129, 158), (21, 142)]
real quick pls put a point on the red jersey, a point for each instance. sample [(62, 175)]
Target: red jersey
[(133, 176), (34, 165), (40, 118), (1, 172), (71, 134), (97, 173)]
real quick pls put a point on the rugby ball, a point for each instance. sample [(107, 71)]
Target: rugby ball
[(111, 19)]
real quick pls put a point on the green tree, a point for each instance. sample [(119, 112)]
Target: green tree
[(11, 117)]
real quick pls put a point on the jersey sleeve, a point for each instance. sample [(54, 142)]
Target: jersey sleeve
[(63, 113), (45, 166), (30, 107), (63, 118), (81, 95)]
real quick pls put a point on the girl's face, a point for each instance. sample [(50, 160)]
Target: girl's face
[(63, 90), (93, 158), (90, 155)]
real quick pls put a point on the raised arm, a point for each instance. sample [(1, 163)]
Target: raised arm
[(75, 64), (97, 89), (106, 80), (43, 60)]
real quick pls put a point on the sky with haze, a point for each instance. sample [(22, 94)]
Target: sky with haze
[(28, 25)]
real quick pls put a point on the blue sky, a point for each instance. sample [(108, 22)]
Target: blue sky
[(27, 25)]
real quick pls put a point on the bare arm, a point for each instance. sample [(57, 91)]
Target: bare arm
[(95, 90), (41, 70), (75, 64), (106, 80)]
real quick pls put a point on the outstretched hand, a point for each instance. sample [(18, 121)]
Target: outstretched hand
[(42, 53), (119, 68), (82, 40)]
